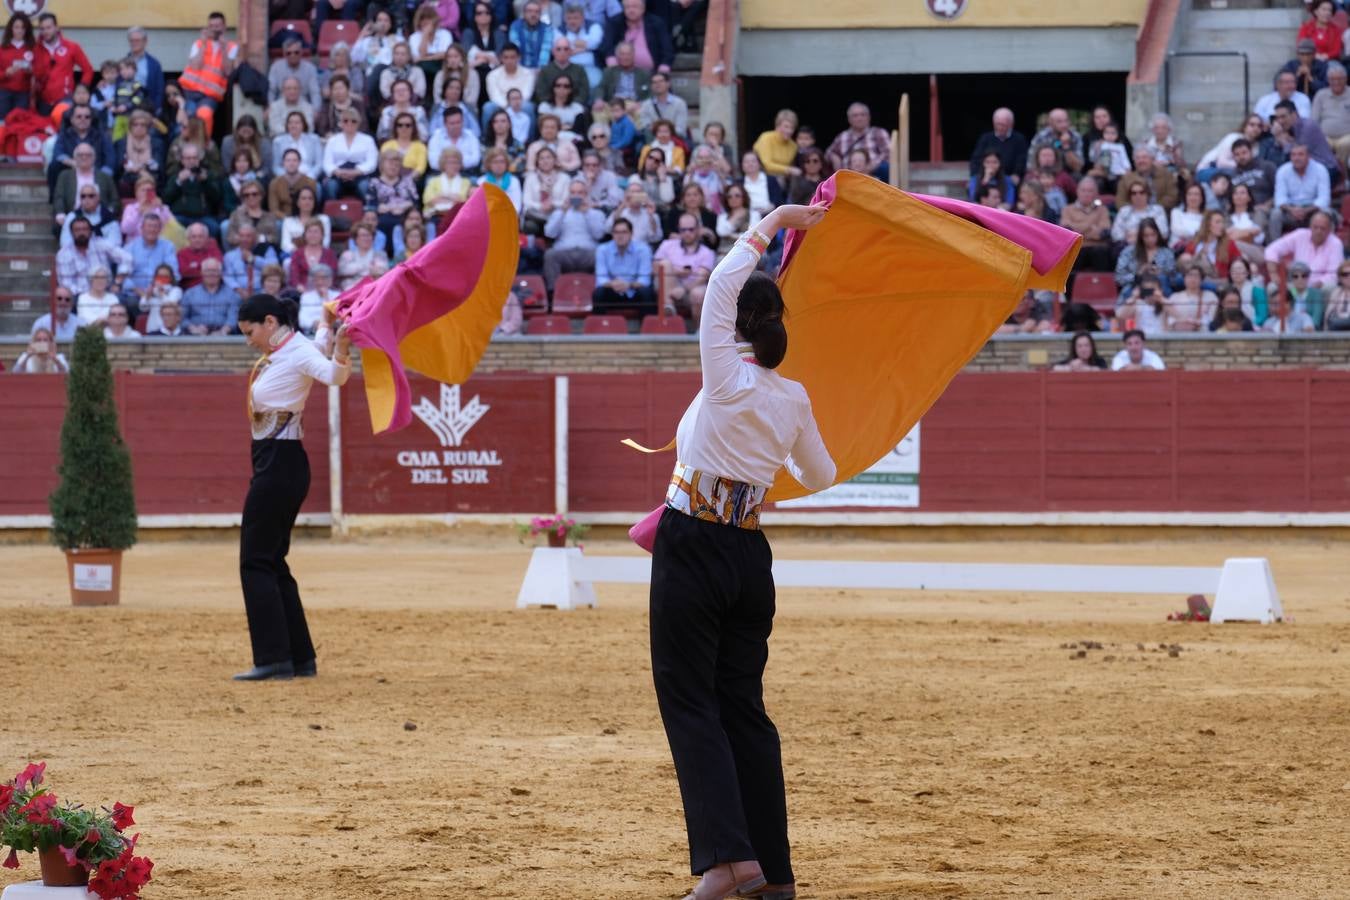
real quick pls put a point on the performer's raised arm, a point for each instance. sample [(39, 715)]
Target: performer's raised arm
[(717, 329)]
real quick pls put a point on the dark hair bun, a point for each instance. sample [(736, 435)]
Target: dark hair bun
[(759, 319), (285, 309)]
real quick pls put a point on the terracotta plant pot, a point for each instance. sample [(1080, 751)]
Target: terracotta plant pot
[(56, 872), (557, 540), (95, 577)]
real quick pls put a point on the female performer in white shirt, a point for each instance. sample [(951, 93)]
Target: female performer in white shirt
[(280, 384), (712, 591)]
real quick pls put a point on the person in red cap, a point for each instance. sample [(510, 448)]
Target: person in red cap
[(61, 58)]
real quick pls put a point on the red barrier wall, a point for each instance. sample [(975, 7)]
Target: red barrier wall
[(502, 461), (604, 475), (188, 436), (1168, 441), (1042, 441)]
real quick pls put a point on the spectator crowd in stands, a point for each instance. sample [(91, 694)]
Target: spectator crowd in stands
[(364, 152), (1245, 238)]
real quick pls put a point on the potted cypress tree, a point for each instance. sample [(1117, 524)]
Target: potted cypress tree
[(93, 508)]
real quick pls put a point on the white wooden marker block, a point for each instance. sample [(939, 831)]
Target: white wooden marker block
[(549, 581), (1246, 593), (35, 890), (1244, 589)]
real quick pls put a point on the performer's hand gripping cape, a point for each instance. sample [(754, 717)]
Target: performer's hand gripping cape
[(887, 299), (436, 312)]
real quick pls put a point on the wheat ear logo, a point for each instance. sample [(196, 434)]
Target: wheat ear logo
[(451, 421)]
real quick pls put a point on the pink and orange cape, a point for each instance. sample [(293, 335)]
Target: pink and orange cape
[(436, 312), (887, 299)]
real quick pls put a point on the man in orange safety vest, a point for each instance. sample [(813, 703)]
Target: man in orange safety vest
[(207, 74)]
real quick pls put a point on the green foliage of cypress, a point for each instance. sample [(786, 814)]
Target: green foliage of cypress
[(94, 505)]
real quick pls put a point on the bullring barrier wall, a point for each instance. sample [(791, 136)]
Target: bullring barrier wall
[(1174, 447)]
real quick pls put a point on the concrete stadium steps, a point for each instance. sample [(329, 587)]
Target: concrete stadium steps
[(684, 83), (945, 179), (17, 313), (27, 248), (1205, 93)]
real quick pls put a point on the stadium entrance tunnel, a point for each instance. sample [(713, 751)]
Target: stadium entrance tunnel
[(967, 103)]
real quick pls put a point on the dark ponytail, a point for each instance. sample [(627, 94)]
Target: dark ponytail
[(759, 319), (257, 308)]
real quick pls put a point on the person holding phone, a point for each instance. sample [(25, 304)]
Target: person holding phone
[(576, 229), (687, 263), (1144, 311), (41, 356)]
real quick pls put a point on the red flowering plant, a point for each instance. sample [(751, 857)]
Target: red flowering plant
[(31, 818), (558, 526)]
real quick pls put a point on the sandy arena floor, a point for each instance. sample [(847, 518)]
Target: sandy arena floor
[(936, 745)]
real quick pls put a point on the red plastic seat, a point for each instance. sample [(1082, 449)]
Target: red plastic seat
[(663, 325), (605, 325), (533, 293), (335, 31), (549, 325), (348, 209), (299, 26), (1096, 289), (572, 294)]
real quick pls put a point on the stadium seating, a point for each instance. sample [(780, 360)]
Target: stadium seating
[(335, 31), (1096, 289), (534, 294), (663, 325), (572, 294), (344, 214), (549, 325), (299, 26), (605, 325)]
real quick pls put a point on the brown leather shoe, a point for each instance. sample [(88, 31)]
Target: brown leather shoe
[(729, 880)]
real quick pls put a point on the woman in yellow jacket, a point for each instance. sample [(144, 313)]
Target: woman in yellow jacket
[(778, 148), (406, 143)]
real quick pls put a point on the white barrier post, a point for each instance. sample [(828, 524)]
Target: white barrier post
[(1246, 593), (549, 581)]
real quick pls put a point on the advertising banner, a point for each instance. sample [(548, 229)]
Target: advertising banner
[(893, 482), (482, 447)]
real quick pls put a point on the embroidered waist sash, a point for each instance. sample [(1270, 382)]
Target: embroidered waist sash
[(713, 498)]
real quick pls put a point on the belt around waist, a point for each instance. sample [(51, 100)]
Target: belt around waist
[(714, 498)]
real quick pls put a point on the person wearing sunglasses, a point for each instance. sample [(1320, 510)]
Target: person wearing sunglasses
[(1139, 205), (1315, 247), (294, 65), (1291, 314), (106, 223), (83, 174), (1338, 302)]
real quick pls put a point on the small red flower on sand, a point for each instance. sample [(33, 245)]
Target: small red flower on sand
[(39, 808), (11, 861), (31, 775), (121, 816)]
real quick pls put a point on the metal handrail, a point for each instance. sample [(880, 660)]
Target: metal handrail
[(1167, 75)]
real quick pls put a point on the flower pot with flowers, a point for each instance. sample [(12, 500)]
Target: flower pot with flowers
[(557, 528), (75, 845)]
